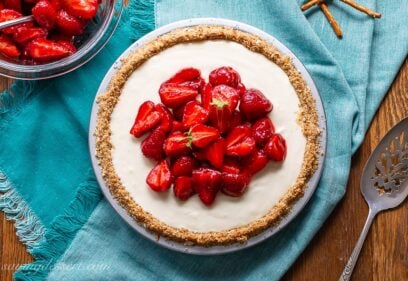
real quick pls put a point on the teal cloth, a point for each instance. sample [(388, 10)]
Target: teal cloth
[(75, 235)]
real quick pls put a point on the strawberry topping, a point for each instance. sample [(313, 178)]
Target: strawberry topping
[(186, 74), (202, 135), (176, 144), (216, 135), (225, 75), (167, 119), (254, 104), (45, 14), (206, 96), (147, 119), (220, 115), (40, 41), (239, 141), (152, 146), (234, 184), (85, 9), (183, 166), (275, 148), (225, 94), (7, 47), (255, 162), (194, 113), (174, 95), (183, 188), (159, 178), (69, 24), (44, 50), (262, 130), (24, 34), (206, 183), (214, 153)]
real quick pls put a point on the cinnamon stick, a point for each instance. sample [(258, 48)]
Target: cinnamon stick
[(310, 4), (331, 19), (362, 8)]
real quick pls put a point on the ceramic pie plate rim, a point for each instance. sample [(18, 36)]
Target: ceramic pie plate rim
[(296, 208)]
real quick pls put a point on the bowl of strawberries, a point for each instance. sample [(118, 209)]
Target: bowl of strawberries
[(62, 35)]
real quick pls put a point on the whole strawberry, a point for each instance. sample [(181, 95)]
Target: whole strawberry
[(152, 146), (275, 148), (225, 75), (254, 104)]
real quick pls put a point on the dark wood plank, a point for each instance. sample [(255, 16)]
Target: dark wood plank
[(389, 233), (385, 253), (12, 252)]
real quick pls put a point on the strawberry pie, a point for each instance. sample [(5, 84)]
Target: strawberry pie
[(207, 135)]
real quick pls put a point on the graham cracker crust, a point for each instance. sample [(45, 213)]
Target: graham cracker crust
[(307, 119)]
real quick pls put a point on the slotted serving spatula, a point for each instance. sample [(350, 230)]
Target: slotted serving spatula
[(384, 183)]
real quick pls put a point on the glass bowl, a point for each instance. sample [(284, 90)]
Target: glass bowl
[(96, 35)]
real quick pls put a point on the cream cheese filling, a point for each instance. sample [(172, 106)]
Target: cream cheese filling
[(265, 189)]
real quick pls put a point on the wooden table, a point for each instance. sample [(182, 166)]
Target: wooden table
[(385, 253)]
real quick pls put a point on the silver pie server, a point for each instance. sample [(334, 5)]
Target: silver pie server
[(384, 183)]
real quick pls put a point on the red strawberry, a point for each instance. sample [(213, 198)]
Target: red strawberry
[(194, 113), (68, 45), (57, 4), (159, 178), (206, 183), (186, 74), (234, 185), (226, 94), (13, 5), (183, 188), (206, 178), (166, 117), (241, 88), (183, 166), (239, 141), (220, 115), (147, 119), (68, 24), (24, 34), (177, 126), (275, 148), (224, 75), (200, 155), (6, 15), (255, 162), (85, 9), (152, 146), (178, 112), (174, 95), (176, 144), (207, 196), (206, 96), (202, 135), (214, 153), (262, 130), (254, 104), (44, 50), (61, 37), (197, 84), (8, 48), (236, 119), (45, 14), (230, 166)]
